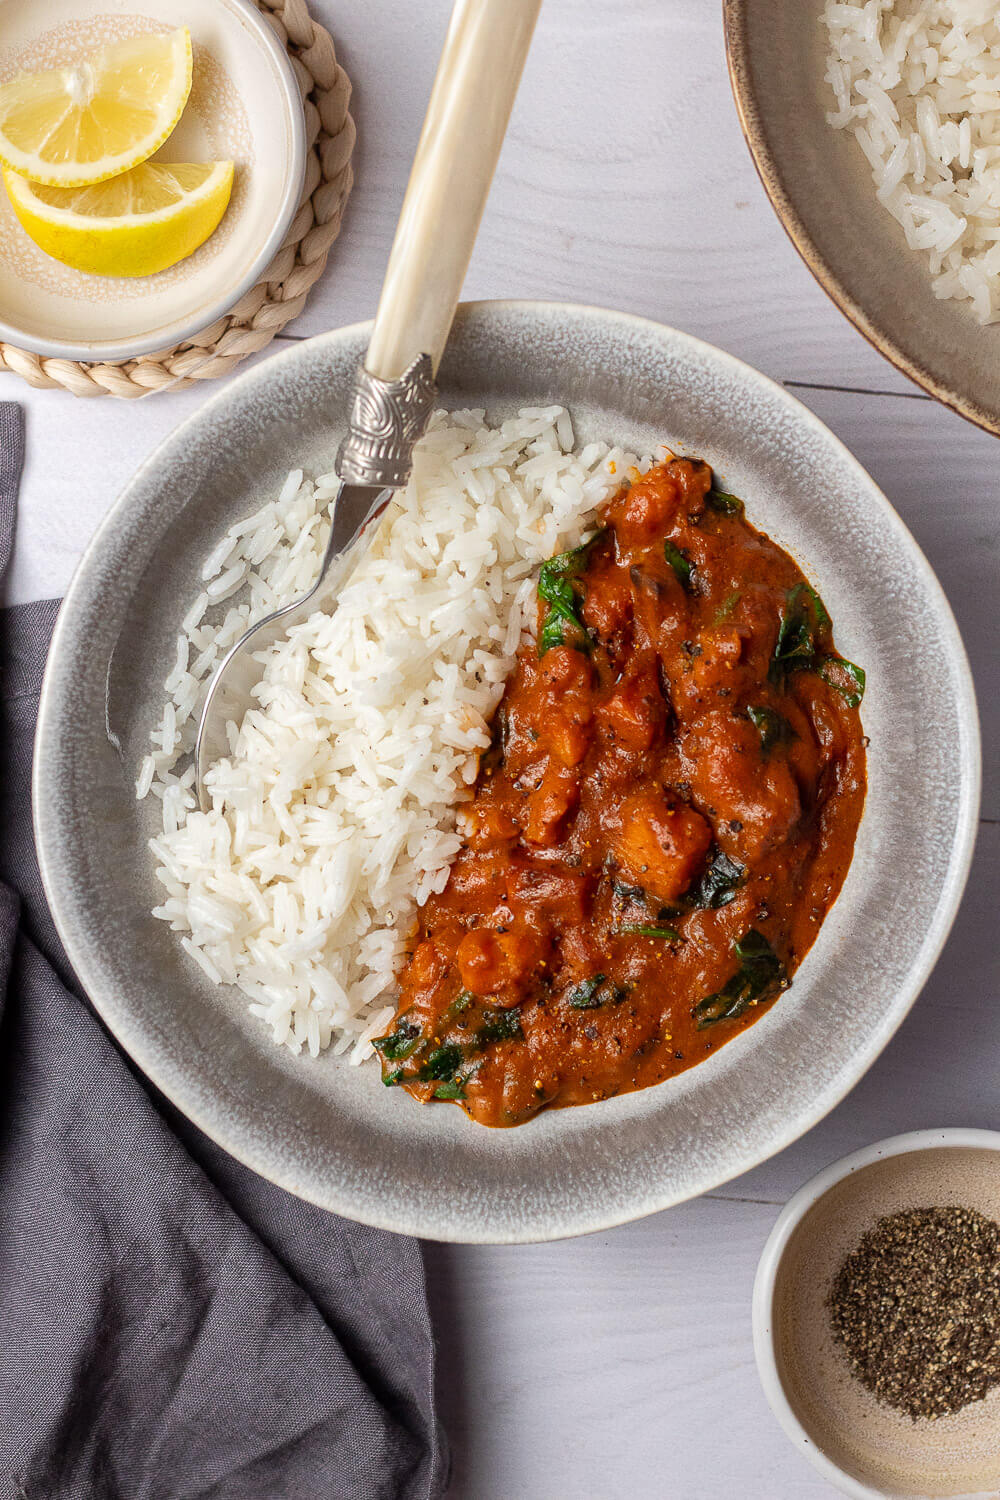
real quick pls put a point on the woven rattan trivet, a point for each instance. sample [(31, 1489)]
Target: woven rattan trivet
[(281, 293)]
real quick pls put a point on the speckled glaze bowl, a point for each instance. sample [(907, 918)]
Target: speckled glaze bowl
[(821, 188), (333, 1133), (867, 1450)]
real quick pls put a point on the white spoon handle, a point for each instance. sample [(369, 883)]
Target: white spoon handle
[(467, 116)]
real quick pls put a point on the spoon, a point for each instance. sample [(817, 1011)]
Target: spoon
[(394, 390)]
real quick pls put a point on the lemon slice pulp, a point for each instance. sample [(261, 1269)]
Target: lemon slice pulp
[(132, 225), (76, 125)]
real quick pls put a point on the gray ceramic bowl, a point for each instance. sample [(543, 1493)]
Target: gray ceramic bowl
[(821, 187), (332, 1133)]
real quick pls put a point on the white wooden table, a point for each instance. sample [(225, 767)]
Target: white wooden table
[(621, 1365)]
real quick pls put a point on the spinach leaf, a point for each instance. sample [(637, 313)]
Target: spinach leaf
[(443, 1063), (556, 589), (843, 675), (408, 1041), (754, 951), (760, 972), (726, 505), (400, 1043), (551, 634), (773, 727), (557, 592), (499, 1026), (569, 564), (727, 606), (681, 565), (461, 1002), (593, 992), (718, 885), (670, 933), (628, 893), (585, 995), (802, 620), (452, 1090)]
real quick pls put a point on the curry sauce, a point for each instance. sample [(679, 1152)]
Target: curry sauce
[(665, 816)]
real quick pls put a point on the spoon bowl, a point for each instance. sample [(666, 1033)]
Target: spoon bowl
[(231, 691)]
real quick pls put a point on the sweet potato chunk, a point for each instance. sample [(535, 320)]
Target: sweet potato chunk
[(661, 844), (549, 807), (551, 893), (635, 712), (645, 511), (563, 669), (426, 965), (567, 707), (721, 649), (492, 963), (754, 798), (608, 609), (566, 739)]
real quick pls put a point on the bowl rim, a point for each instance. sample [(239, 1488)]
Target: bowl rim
[(144, 1049), (142, 344), (734, 15), (788, 1220)]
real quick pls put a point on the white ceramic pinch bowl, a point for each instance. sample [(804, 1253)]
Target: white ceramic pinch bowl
[(868, 1450)]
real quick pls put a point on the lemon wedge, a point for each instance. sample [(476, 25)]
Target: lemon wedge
[(76, 125), (132, 225)]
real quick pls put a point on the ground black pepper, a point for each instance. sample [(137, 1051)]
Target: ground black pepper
[(916, 1307)]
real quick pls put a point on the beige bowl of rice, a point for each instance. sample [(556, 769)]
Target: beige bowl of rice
[(875, 126)]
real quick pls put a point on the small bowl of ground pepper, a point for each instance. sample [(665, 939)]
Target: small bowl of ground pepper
[(876, 1318)]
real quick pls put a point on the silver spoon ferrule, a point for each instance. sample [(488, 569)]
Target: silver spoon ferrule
[(386, 419)]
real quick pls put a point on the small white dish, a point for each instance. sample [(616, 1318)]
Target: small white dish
[(865, 1449), (245, 106)]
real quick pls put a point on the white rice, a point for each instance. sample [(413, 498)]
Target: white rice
[(334, 816), (918, 83)]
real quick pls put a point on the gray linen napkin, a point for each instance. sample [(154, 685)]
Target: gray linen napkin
[(172, 1327)]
